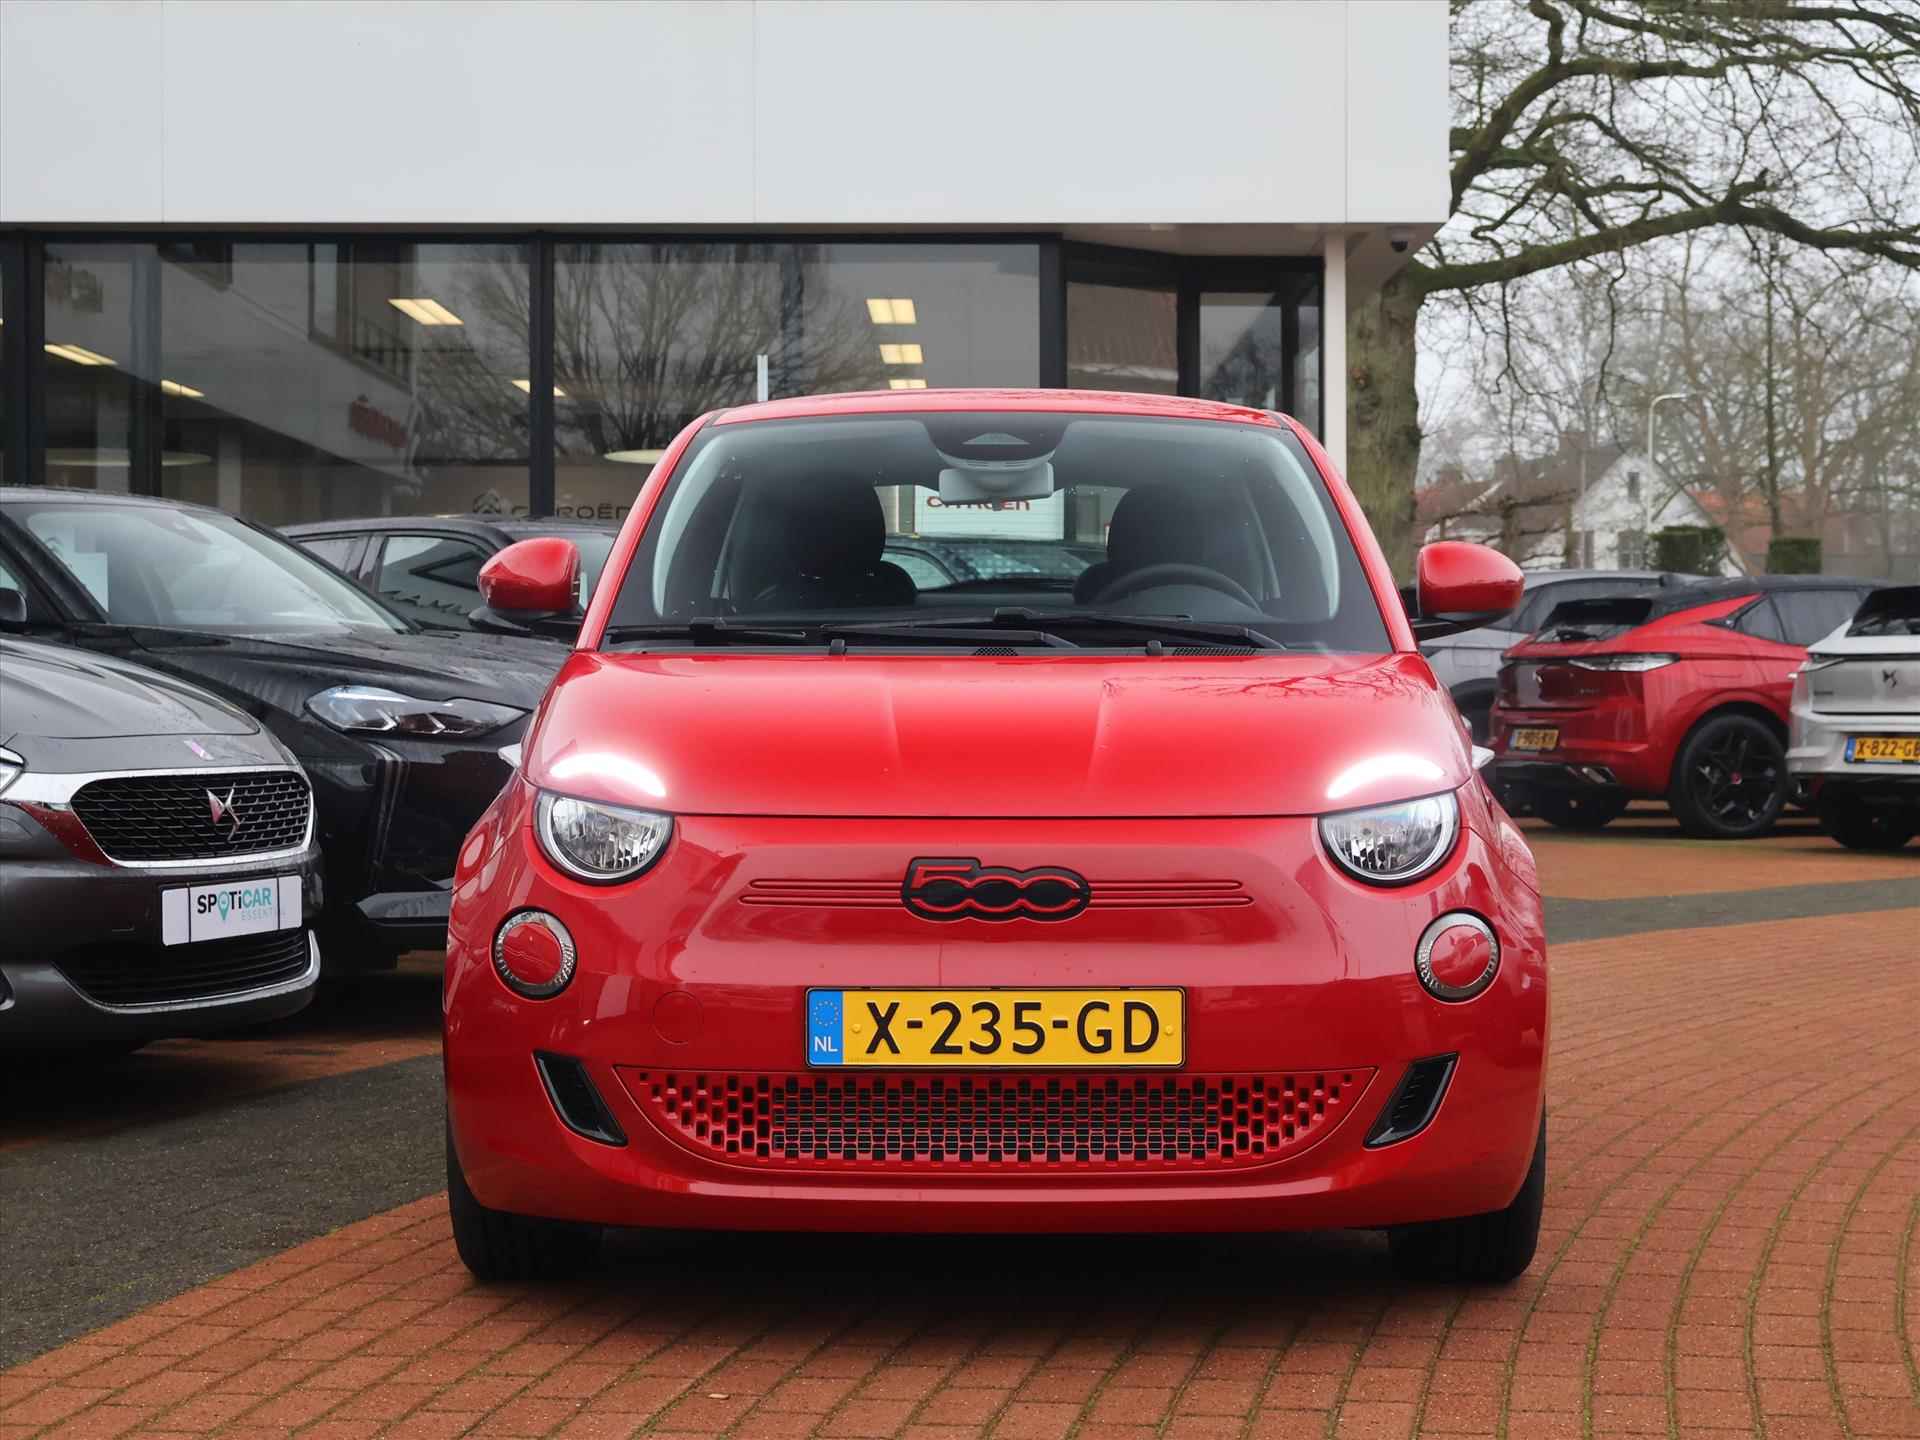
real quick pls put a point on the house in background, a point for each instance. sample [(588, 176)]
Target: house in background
[(1585, 507)]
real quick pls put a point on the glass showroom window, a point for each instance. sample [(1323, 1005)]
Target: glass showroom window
[(291, 381), (648, 336)]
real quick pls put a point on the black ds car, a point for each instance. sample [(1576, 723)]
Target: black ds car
[(158, 869), (400, 731)]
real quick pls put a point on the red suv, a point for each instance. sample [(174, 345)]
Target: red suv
[(1680, 694)]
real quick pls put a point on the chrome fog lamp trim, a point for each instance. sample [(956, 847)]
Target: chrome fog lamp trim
[(569, 956), (1423, 956)]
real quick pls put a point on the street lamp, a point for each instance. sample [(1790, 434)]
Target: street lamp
[(1646, 514)]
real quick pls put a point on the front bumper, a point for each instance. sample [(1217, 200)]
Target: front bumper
[(73, 923), (42, 1010), (391, 820), (686, 985)]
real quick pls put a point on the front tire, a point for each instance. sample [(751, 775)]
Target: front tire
[(1489, 1249), (1731, 781), (1859, 827), (1572, 810), (495, 1245)]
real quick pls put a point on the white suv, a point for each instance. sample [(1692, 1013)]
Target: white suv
[(1856, 724)]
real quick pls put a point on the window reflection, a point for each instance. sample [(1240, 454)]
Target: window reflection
[(649, 336), (1120, 337), (291, 381), (1243, 349)]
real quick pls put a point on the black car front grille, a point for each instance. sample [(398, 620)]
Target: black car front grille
[(139, 819), (159, 974)]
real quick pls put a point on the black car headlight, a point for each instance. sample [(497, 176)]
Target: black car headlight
[(599, 843), (1392, 844), (367, 710)]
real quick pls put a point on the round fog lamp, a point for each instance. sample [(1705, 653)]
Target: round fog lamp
[(533, 954), (1457, 956)]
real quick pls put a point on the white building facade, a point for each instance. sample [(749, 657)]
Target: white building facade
[(313, 260)]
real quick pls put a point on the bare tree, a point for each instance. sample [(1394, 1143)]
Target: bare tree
[(1587, 128)]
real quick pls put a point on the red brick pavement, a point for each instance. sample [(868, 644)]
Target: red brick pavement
[(1732, 1248)]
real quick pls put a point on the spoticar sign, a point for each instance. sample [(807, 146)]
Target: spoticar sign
[(236, 899), (253, 906)]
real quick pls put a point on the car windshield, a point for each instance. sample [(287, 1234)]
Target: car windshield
[(152, 565), (790, 530)]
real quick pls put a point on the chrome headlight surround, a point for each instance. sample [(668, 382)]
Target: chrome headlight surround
[(600, 844), (1393, 844), (12, 766)]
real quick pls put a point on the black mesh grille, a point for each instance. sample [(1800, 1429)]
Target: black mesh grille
[(1164, 1122), (153, 974), (137, 818)]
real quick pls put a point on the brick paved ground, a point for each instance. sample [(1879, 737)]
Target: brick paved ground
[(1732, 1248)]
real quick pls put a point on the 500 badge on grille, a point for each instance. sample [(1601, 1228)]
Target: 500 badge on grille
[(964, 889), (990, 1029)]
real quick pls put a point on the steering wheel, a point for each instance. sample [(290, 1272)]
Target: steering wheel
[(1152, 577)]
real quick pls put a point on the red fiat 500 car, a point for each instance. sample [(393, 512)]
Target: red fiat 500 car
[(1676, 694), (1161, 894)]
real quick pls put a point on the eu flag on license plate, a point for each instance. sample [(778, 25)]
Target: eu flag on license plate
[(826, 1030)]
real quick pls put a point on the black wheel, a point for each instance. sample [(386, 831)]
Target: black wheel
[(1859, 827), (497, 1246), (1575, 810), (1731, 781), (1479, 1249)]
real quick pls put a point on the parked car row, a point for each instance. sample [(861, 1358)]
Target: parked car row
[(162, 635), (1705, 695)]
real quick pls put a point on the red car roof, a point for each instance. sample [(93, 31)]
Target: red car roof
[(1079, 402)]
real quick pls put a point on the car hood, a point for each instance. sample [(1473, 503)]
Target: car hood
[(858, 735), (280, 671), (59, 693)]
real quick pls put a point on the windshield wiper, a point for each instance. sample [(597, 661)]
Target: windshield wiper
[(706, 630), (969, 630), (1172, 627), (1022, 625)]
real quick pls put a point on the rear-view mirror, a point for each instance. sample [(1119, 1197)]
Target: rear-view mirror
[(1462, 587), (531, 588)]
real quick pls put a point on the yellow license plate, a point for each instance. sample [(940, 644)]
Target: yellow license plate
[(1882, 749), (997, 1029), (1525, 739)]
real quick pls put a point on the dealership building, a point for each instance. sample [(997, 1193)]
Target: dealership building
[(318, 260)]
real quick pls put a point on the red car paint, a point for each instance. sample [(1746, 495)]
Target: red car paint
[(1185, 790)]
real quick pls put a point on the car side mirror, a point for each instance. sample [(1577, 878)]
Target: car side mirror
[(531, 588), (13, 610), (1462, 587)]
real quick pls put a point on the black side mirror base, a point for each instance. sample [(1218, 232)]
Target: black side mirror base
[(1432, 627), (534, 624)]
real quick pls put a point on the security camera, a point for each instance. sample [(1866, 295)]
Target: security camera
[(1399, 237)]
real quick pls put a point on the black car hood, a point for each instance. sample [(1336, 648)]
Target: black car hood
[(284, 669)]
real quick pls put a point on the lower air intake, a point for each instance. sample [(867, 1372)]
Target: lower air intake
[(1410, 1109), (166, 974), (1049, 1123)]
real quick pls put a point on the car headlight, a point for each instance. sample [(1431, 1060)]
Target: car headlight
[(599, 843), (367, 710), (12, 767), (1392, 844), (1634, 663)]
